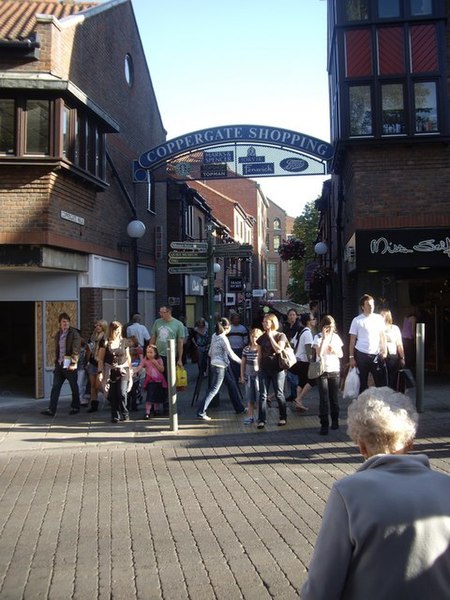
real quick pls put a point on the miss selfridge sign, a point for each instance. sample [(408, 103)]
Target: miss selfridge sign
[(410, 248), (272, 136)]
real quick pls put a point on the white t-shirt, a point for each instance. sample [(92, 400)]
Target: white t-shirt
[(305, 338), (368, 330), (393, 339), (330, 360)]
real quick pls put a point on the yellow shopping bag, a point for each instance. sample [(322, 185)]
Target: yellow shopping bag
[(181, 378)]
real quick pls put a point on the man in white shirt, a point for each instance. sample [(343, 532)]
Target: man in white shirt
[(367, 347), (139, 331)]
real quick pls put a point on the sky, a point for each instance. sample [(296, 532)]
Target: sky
[(228, 62)]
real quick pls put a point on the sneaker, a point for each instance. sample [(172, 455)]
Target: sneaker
[(147, 416), (281, 422), (74, 411), (114, 420), (335, 425), (204, 416), (249, 420), (261, 425), (126, 418)]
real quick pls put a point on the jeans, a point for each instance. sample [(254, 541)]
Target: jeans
[(277, 379), (234, 392), (251, 389), (117, 396), (328, 397), (217, 377), (59, 376), (366, 364), (292, 383)]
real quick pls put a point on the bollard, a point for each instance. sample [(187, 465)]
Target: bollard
[(172, 385), (420, 365)]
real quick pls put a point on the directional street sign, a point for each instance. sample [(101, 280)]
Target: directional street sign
[(178, 260), (199, 246), (233, 250), (188, 270), (177, 254)]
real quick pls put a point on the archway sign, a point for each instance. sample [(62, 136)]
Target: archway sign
[(234, 151)]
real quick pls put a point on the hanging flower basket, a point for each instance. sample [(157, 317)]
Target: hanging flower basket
[(292, 249), (321, 275)]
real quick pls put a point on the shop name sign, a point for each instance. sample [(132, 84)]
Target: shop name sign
[(403, 248), (384, 246), (240, 134)]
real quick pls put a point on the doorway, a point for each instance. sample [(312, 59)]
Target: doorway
[(17, 353)]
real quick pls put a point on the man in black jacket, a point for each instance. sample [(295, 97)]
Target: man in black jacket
[(67, 351)]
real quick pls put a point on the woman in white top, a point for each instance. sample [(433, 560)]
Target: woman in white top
[(220, 353), (328, 348), (302, 343), (395, 359)]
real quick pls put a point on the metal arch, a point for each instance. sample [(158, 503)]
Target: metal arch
[(273, 137)]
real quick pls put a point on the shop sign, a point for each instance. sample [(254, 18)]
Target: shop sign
[(403, 248), (235, 284)]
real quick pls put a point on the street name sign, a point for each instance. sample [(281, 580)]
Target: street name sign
[(188, 270), (177, 260), (180, 254), (198, 246)]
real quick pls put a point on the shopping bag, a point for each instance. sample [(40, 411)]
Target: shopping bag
[(351, 385), (181, 378)]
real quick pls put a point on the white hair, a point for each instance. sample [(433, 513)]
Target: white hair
[(384, 420)]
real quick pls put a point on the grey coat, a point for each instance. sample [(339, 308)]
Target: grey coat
[(385, 534)]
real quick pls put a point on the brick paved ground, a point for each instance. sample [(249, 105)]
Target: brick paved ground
[(90, 510)]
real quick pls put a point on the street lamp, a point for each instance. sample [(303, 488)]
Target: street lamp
[(321, 248), (135, 230)]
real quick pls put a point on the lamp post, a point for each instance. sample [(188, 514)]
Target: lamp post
[(135, 230)]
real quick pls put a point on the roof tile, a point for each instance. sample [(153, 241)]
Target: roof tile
[(18, 17)]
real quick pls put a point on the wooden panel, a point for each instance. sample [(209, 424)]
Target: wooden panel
[(38, 351), (424, 49), (52, 312), (391, 51), (358, 53)]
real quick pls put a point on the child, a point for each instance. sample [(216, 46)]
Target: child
[(155, 382), (249, 374)]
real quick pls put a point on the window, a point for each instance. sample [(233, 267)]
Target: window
[(388, 9), (66, 132), (356, 10), (360, 110), (277, 224), (276, 242), (393, 109), (7, 126), (421, 7), (189, 226), (129, 70), (37, 126), (272, 276), (425, 107)]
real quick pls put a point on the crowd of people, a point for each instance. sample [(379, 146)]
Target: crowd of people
[(127, 364), (124, 364)]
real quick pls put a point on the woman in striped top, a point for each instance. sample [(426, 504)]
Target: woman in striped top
[(249, 374)]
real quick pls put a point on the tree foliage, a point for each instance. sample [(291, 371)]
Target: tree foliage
[(305, 229)]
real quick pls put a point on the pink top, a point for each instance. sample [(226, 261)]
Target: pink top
[(152, 373)]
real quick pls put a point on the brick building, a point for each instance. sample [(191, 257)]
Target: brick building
[(76, 107), (385, 214)]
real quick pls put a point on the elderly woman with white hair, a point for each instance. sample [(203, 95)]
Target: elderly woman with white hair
[(385, 532)]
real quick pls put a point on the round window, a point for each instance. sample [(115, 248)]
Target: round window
[(129, 72)]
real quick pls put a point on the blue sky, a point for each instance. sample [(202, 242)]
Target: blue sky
[(241, 62)]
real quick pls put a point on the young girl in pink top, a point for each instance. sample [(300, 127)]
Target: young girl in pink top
[(155, 383)]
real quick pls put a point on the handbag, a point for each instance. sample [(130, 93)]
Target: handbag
[(315, 369), (286, 358)]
